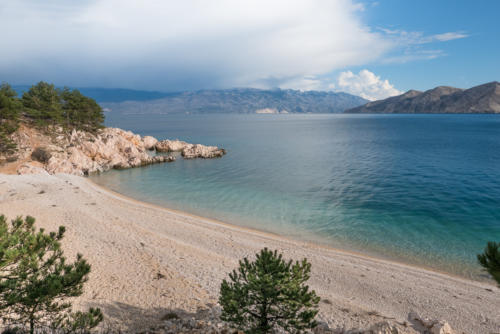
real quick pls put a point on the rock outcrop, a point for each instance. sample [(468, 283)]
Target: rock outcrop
[(82, 153), (190, 151)]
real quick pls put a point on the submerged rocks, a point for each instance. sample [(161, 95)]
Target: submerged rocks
[(81, 152)]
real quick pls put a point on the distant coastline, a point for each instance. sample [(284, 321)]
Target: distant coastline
[(482, 99)]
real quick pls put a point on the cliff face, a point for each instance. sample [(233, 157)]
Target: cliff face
[(483, 99), (82, 153)]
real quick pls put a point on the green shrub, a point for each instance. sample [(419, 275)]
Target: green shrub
[(81, 322), (490, 260), (10, 108), (269, 293), (41, 154), (36, 280)]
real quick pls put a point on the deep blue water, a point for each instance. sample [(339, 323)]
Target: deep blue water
[(423, 189)]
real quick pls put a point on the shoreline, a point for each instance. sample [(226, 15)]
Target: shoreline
[(148, 260), (273, 235)]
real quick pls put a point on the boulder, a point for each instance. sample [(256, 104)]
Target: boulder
[(441, 327), (431, 326), (149, 142), (31, 169), (171, 145), (202, 151), (383, 328)]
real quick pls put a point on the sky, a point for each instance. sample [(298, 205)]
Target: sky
[(373, 49)]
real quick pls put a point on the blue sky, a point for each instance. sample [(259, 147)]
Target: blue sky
[(369, 48), (464, 62)]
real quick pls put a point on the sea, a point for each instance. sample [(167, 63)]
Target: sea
[(417, 189)]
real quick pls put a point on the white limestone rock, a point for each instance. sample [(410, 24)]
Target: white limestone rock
[(202, 151), (171, 145), (149, 142), (82, 153), (31, 169)]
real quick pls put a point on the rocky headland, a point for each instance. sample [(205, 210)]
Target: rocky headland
[(81, 153)]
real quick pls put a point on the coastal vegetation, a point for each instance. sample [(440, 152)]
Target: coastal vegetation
[(44, 105), (10, 108), (269, 293), (36, 280), (51, 130), (490, 260)]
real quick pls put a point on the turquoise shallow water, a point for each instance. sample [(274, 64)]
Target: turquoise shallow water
[(422, 189)]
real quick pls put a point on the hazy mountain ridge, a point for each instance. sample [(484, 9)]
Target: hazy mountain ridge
[(241, 100), (109, 94), (482, 99)]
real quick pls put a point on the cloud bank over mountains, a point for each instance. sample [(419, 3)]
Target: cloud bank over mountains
[(193, 44), (365, 84)]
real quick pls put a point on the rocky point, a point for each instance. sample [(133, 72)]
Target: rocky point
[(82, 153)]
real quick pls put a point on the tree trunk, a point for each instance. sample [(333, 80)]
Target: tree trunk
[(263, 321), (32, 325)]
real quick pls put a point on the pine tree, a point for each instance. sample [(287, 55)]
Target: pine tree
[(490, 260), (35, 279), (42, 103), (80, 111), (10, 108), (269, 293)]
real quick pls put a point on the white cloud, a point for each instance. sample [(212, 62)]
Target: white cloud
[(412, 55), (365, 84), (190, 44), (183, 44), (449, 36), (416, 37), (414, 45)]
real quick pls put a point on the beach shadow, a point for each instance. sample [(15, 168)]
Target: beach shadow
[(125, 318)]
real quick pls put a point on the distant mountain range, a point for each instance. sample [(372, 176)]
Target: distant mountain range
[(237, 100), (483, 99), (110, 94), (241, 100)]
